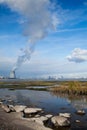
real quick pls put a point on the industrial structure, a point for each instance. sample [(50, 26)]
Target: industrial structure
[(12, 75)]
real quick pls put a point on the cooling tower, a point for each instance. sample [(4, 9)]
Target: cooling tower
[(12, 75)]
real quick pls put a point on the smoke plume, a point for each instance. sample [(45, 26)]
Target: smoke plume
[(38, 19)]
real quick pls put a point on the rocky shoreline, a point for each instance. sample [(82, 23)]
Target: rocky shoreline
[(34, 118), (20, 117)]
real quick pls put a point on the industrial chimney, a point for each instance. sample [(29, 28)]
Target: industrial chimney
[(12, 75)]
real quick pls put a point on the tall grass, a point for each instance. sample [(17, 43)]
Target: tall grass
[(72, 87)]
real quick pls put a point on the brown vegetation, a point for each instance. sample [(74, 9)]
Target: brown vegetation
[(71, 87), (24, 84), (64, 87)]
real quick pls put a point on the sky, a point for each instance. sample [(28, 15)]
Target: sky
[(57, 29)]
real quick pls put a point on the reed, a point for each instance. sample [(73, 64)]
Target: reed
[(72, 87)]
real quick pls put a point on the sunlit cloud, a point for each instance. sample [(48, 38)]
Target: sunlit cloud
[(78, 55)]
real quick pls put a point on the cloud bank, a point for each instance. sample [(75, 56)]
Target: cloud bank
[(38, 20), (78, 55)]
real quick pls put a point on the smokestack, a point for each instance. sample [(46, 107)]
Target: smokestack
[(12, 75)]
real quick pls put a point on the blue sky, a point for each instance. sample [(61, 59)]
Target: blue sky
[(61, 52)]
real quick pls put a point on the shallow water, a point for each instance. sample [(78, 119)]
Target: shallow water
[(49, 102), (52, 103)]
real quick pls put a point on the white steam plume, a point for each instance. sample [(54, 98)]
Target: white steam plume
[(26, 55), (38, 20)]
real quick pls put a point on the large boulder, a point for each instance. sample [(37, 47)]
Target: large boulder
[(48, 116), (43, 118), (40, 120), (19, 108), (60, 121), (37, 115), (67, 115), (6, 108), (11, 107), (32, 110)]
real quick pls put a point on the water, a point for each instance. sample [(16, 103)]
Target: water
[(52, 103)]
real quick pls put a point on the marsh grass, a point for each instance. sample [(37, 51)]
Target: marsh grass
[(26, 84), (71, 87)]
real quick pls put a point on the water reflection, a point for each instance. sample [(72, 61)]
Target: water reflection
[(79, 102), (50, 102), (23, 100)]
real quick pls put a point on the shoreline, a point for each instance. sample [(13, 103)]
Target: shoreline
[(14, 121)]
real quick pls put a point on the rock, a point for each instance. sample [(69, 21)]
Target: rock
[(32, 110), (80, 112), (77, 121), (19, 108), (6, 108), (11, 107), (9, 100), (43, 118), (48, 116), (60, 121), (42, 112), (1, 103), (35, 124), (39, 120), (19, 115), (2, 100), (67, 115), (37, 116)]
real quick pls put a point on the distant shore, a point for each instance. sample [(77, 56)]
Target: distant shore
[(67, 87)]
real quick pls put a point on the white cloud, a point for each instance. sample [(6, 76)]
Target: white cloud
[(78, 55)]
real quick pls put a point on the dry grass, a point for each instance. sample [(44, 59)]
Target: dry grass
[(71, 87), (24, 84)]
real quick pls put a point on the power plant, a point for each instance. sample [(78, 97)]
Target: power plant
[(12, 75)]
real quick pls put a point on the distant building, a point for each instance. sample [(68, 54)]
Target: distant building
[(51, 78)]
